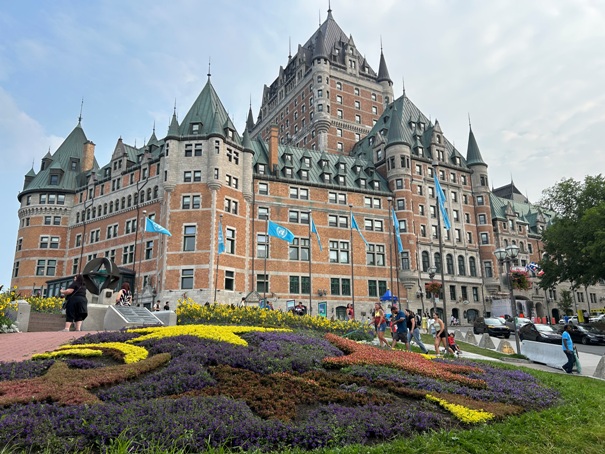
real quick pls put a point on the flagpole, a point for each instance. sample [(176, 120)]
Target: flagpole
[(439, 236), (352, 273), (391, 227), (310, 260), (138, 275), (218, 259), (266, 254)]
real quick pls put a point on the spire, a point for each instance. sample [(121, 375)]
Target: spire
[(383, 72), (246, 140), (250, 120), (173, 129), (289, 48), (395, 134), (473, 155), (403, 85), (209, 73), (330, 11), (81, 107), (320, 47)]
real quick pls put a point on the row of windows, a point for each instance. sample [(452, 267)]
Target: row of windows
[(48, 199), (130, 226), (449, 264), (119, 204)]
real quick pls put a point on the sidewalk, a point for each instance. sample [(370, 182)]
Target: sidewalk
[(22, 346)]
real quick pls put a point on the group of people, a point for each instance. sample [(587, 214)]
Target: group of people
[(405, 326)]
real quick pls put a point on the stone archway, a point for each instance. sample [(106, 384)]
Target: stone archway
[(471, 315)]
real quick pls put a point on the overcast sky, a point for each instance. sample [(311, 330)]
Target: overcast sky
[(529, 73)]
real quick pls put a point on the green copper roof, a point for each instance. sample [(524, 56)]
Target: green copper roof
[(207, 116), (403, 115), (473, 155), (60, 163), (525, 212), (337, 165)]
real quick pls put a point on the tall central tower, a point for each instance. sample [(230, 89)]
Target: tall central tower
[(327, 97)]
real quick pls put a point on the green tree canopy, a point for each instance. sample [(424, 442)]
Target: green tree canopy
[(575, 243)]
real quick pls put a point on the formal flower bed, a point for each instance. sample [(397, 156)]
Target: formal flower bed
[(245, 387)]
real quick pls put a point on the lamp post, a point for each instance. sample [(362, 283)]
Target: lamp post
[(432, 271), (506, 256)]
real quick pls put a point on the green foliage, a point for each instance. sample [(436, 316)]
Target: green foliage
[(575, 243), (566, 302)]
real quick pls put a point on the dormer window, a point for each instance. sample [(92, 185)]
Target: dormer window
[(261, 169), (307, 161), (73, 164), (53, 179), (413, 124)]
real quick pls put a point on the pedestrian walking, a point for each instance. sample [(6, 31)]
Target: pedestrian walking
[(440, 334), (76, 304), (399, 329), (414, 330), (380, 323), (567, 344)]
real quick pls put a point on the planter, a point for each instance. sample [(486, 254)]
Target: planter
[(39, 321)]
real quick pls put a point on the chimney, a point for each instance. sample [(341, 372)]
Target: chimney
[(88, 156), (273, 147)]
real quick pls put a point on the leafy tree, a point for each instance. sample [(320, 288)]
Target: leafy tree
[(566, 302), (575, 243)]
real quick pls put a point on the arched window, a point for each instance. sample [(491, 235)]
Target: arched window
[(142, 196), (472, 266), (437, 262), (449, 263), (124, 202), (461, 266), (129, 201), (111, 207), (148, 194), (155, 192), (425, 261)]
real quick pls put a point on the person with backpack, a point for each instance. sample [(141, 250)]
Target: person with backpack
[(414, 321), (399, 327)]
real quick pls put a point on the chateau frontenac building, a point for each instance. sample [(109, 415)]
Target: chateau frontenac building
[(331, 143)]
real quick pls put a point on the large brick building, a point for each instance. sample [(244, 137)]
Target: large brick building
[(331, 141)]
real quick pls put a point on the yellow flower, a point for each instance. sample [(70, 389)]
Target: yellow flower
[(464, 414)]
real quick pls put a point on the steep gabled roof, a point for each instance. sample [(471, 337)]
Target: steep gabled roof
[(72, 148), (207, 115)]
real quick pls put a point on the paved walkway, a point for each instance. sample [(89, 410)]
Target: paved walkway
[(22, 346)]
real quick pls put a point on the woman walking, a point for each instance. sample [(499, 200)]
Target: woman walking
[(380, 322), (76, 304), (440, 334)]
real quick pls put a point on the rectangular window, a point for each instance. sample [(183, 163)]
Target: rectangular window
[(262, 245), (148, 250), (262, 283), (263, 188), (230, 240), (263, 213), (186, 279), (299, 249), (189, 238), (375, 255), (484, 238), (339, 251), (187, 176), (186, 202), (230, 280)]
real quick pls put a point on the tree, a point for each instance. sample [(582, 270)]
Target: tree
[(575, 243), (566, 302)]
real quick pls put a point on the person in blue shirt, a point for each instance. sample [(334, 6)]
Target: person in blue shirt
[(399, 321), (568, 349)]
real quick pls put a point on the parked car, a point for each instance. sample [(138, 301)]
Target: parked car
[(586, 334), (570, 319), (539, 332), (598, 319), (492, 326), (520, 322)]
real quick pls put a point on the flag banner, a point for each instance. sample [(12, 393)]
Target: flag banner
[(397, 232), (314, 230), (356, 227), (151, 226), (221, 238), (441, 200), (280, 232)]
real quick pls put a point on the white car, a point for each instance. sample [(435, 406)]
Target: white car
[(570, 319), (598, 319)]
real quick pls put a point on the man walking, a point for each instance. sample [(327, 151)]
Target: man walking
[(414, 330), (568, 349), (399, 322)]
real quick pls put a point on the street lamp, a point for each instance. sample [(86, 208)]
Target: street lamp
[(507, 256), (432, 271)]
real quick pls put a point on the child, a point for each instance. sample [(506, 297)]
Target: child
[(451, 341)]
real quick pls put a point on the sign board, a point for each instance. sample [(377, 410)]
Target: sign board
[(290, 305), (322, 309), (118, 317)]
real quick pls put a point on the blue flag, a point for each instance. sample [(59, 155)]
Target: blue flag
[(221, 238), (441, 201), (151, 226), (356, 227), (280, 232), (397, 232), (314, 230)]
